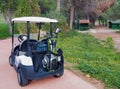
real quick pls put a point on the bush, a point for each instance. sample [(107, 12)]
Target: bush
[(22, 28), (109, 43), (62, 21), (4, 31)]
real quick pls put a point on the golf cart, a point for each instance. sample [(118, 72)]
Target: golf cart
[(36, 58)]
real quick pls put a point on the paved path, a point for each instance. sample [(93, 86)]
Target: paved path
[(8, 76)]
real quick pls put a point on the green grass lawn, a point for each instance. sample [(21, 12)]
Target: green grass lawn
[(94, 57)]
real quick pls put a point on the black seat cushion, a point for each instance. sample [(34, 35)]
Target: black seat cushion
[(23, 46)]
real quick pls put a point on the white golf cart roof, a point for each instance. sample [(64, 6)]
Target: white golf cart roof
[(34, 20)]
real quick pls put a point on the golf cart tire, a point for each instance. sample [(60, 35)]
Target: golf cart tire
[(21, 80), (58, 75), (10, 61)]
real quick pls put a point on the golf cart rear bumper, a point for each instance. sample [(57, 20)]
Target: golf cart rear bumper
[(29, 73)]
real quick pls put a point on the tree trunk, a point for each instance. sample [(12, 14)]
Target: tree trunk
[(71, 16), (8, 18), (58, 6)]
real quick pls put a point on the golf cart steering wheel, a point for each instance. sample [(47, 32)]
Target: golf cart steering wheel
[(21, 38)]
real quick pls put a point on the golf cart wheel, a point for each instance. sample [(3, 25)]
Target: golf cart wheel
[(10, 61), (21, 80), (58, 75)]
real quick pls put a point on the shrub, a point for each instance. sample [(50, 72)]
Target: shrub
[(4, 31), (109, 43), (62, 21), (22, 28)]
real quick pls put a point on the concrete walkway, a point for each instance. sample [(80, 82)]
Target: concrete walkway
[(8, 76)]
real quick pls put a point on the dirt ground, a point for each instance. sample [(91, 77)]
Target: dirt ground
[(104, 32)]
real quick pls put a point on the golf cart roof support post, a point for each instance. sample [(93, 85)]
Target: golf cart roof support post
[(12, 35), (39, 30), (50, 29), (28, 38)]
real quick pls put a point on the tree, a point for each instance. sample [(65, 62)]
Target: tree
[(47, 5), (27, 8), (113, 13), (96, 7), (58, 5), (69, 8), (20, 8), (7, 7), (87, 9)]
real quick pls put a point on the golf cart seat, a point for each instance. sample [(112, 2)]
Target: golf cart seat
[(35, 46), (40, 46), (23, 46)]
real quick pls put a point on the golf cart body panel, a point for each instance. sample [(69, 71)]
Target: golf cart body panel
[(30, 74), (34, 59)]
